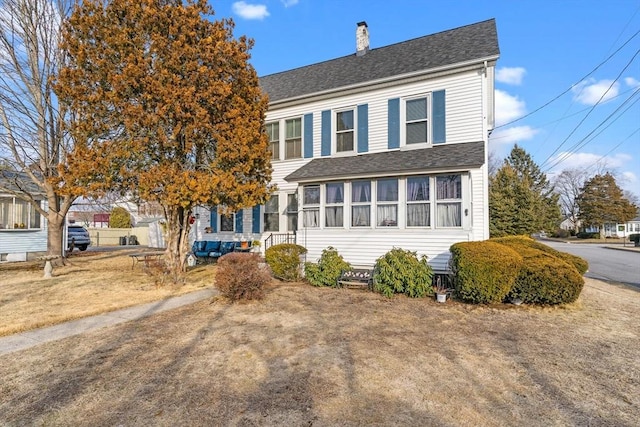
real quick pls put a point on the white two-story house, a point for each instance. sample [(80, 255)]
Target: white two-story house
[(383, 148)]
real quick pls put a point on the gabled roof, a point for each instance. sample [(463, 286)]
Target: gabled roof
[(399, 162), (12, 182), (470, 43)]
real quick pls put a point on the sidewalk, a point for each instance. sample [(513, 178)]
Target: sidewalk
[(34, 337)]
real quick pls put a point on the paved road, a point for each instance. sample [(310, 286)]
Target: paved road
[(609, 265)]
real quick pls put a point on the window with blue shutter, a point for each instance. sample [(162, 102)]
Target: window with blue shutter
[(239, 219), (325, 134), (438, 111), (308, 136), (363, 128), (255, 219), (393, 120), (214, 219)]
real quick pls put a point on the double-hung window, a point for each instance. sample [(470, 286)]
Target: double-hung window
[(17, 214), (449, 201), (361, 203), (334, 208), (417, 120), (226, 222), (311, 206), (418, 208), (293, 139), (345, 131), (271, 214), (273, 131), (292, 212), (387, 203)]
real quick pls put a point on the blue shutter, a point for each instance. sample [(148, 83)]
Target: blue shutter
[(325, 136), (438, 108), (308, 135), (255, 214), (363, 128), (393, 116), (239, 219), (214, 219)]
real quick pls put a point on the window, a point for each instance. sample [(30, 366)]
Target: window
[(18, 214), (334, 209), (311, 206), (449, 201), (273, 130), (293, 139), (361, 204), (271, 214), (226, 222), (292, 212), (418, 212), (387, 209), (416, 120), (344, 131)]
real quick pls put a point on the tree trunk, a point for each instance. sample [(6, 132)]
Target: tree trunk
[(177, 239)]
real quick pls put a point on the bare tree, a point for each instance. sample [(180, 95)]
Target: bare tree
[(568, 184), (32, 143)]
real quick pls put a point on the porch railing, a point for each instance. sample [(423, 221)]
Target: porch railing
[(277, 238)]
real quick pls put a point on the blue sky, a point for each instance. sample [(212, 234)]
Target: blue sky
[(572, 68)]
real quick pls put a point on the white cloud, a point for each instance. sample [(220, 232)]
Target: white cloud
[(289, 3), (632, 82), (508, 107), (510, 75), (589, 92), (512, 134), (250, 11)]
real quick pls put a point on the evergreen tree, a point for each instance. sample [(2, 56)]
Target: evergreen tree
[(601, 202), (521, 199)]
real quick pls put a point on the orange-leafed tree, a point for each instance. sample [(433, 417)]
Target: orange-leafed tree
[(164, 106)]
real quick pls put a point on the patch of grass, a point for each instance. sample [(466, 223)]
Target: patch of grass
[(89, 284)]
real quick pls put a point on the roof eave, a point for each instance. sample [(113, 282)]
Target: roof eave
[(387, 81)]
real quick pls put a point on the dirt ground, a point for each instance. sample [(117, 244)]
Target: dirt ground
[(324, 357)]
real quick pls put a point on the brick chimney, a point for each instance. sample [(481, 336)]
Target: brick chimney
[(362, 39)]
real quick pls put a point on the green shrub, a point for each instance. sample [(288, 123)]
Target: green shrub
[(239, 276), (561, 233), (401, 272), (328, 269), (634, 237), (517, 242), (284, 260), (585, 235), (119, 218), (484, 272), (546, 279)]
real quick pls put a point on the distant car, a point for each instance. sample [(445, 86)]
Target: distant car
[(77, 237)]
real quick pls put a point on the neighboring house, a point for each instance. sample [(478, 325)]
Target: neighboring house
[(383, 148), (23, 231)]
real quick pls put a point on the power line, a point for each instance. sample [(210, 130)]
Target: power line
[(593, 108), (571, 87)]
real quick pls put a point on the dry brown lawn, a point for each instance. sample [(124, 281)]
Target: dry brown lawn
[(324, 357), (89, 283)]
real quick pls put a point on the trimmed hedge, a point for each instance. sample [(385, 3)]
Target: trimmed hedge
[(328, 269), (484, 272), (546, 279), (516, 242), (401, 272), (240, 277), (284, 260)]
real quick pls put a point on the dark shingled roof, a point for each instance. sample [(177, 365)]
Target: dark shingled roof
[(459, 45), (445, 156)]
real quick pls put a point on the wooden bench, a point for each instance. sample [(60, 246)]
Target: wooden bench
[(357, 278), (145, 257)]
